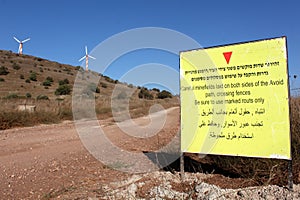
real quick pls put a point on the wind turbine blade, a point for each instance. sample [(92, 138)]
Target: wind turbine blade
[(17, 40), (91, 57), (86, 50), (26, 40), (81, 58)]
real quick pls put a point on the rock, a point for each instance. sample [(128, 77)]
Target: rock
[(241, 193), (132, 190)]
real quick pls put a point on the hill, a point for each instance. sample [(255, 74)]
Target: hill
[(48, 86)]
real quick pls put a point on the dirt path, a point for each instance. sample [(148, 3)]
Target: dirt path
[(43, 161)]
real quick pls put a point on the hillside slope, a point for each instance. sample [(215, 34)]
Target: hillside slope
[(34, 81)]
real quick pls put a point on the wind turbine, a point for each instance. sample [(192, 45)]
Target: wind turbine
[(20, 51), (87, 56)]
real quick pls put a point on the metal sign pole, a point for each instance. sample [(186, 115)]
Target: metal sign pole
[(290, 175), (290, 162), (182, 166)]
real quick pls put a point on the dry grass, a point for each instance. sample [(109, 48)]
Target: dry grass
[(265, 171)]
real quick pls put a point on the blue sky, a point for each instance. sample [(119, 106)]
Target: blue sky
[(59, 30)]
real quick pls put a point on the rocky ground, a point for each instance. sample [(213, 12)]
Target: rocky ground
[(165, 185)]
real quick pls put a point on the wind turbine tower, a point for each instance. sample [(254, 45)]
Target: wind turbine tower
[(20, 51), (87, 56)]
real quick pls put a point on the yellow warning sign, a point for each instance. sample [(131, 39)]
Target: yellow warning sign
[(235, 100)]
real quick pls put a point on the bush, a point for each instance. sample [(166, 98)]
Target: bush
[(63, 90), (27, 81), (28, 95), (109, 79), (42, 97), (145, 94), (16, 66), (3, 70), (2, 80), (164, 94), (104, 85), (63, 82), (12, 96), (130, 86), (50, 79), (78, 68), (47, 83), (21, 76), (32, 76), (156, 89)]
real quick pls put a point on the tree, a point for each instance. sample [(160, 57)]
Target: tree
[(164, 94), (156, 89)]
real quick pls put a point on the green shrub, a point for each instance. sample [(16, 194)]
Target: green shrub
[(47, 83), (164, 94), (63, 82), (78, 68), (32, 76), (2, 80), (27, 81), (16, 66), (28, 95), (21, 76), (3, 70), (145, 94), (108, 79), (156, 89), (63, 90), (50, 79), (130, 86), (42, 97)]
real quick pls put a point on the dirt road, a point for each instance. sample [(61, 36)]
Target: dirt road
[(51, 162), (47, 160)]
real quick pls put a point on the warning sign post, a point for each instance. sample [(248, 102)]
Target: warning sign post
[(235, 100)]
